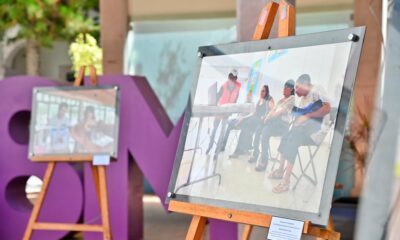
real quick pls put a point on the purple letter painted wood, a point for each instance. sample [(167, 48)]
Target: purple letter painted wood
[(145, 134), (65, 196)]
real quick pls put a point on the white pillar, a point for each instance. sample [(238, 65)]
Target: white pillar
[(113, 30)]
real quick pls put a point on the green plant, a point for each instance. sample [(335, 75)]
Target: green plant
[(41, 22), (84, 51), (359, 144), (359, 137)]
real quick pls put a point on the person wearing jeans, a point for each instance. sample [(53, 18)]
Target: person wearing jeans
[(249, 124), (276, 123), (309, 112)]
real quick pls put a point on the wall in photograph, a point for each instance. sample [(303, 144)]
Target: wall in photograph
[(274, 68)]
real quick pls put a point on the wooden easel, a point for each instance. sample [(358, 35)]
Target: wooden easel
[(100, 181), (202, 212)]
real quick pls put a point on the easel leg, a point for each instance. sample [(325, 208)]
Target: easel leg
[(330, 224), (95, 174), (196, 228), (327, 233), (105, 216), (38, 205), (247, 232)]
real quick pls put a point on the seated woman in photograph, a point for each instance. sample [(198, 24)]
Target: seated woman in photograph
[(92, 135), (312, 107), (276, 123), (82, 132), (251, 122)]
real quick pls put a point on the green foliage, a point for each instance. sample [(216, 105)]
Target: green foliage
[(47, 20), (84, 51)]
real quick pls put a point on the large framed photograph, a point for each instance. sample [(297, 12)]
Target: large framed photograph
[(72, 121), (265, 125)]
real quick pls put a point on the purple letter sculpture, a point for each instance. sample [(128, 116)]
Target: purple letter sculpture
[(141, 136), (65, 197), (147, 141)]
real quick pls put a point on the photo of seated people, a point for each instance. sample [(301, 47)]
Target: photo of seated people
[(74, 122), (262, 125)]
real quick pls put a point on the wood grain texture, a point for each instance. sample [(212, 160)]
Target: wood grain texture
[(256, 219), (96, 183), (105, 215), (39, 202), (243, 217), (196, 228), (63, 158), (247, 232), (287, 19), (67, 227), (100, 182), (265, 21)]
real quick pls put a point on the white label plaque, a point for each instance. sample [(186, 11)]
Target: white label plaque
[(285, 229), (101, 160)]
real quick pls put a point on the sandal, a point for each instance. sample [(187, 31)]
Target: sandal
[(277, 174), (282, 187), (252, 160), (261, 167)]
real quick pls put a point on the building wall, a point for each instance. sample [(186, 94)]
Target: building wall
[(323, 5), (158, 9), (54, 61)]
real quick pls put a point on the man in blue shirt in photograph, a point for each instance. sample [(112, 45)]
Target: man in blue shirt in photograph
[(309, 112)]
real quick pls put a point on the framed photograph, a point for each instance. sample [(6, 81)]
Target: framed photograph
[(71, 121), (265, 123)]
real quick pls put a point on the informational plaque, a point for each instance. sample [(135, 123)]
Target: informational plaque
[(285, 229)]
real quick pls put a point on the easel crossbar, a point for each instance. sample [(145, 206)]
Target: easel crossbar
[(67, 227), (250, 218), (256, 219)]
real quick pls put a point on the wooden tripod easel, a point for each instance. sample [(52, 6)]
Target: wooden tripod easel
[(202, 212), (100, 181)]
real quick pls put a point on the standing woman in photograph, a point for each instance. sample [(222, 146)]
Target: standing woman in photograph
[(251, 122), (227, 94)]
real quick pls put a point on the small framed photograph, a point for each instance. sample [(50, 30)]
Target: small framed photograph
[(70, 121), (265, 125)]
